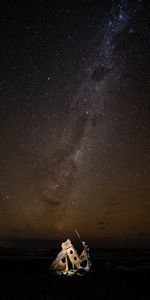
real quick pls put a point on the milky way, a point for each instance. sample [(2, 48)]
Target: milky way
[(75, 122)]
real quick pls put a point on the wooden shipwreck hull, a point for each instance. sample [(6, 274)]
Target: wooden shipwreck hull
[(68, 256)]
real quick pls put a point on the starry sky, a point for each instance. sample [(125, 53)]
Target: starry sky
[(74, 121)]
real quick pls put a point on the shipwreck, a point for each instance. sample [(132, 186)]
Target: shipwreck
[(68, 262)]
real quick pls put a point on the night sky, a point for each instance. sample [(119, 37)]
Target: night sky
[(74, 121)]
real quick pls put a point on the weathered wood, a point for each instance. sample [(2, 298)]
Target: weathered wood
[(68, 252)]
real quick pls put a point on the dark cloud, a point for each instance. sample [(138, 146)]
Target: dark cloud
[(100, 72), (103, 225), (112, 200), (144, 234), (113, 203), (79, 129), (51, 201), (133, 228), (96, 118), (107, 213), (17, 230), (111, 197)]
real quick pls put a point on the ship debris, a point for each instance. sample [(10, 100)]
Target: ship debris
[(69, 263)]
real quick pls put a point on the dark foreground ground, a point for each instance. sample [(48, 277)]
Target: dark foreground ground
[(116, 274)]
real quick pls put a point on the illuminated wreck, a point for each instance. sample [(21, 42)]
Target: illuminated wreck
[(68, 262)]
